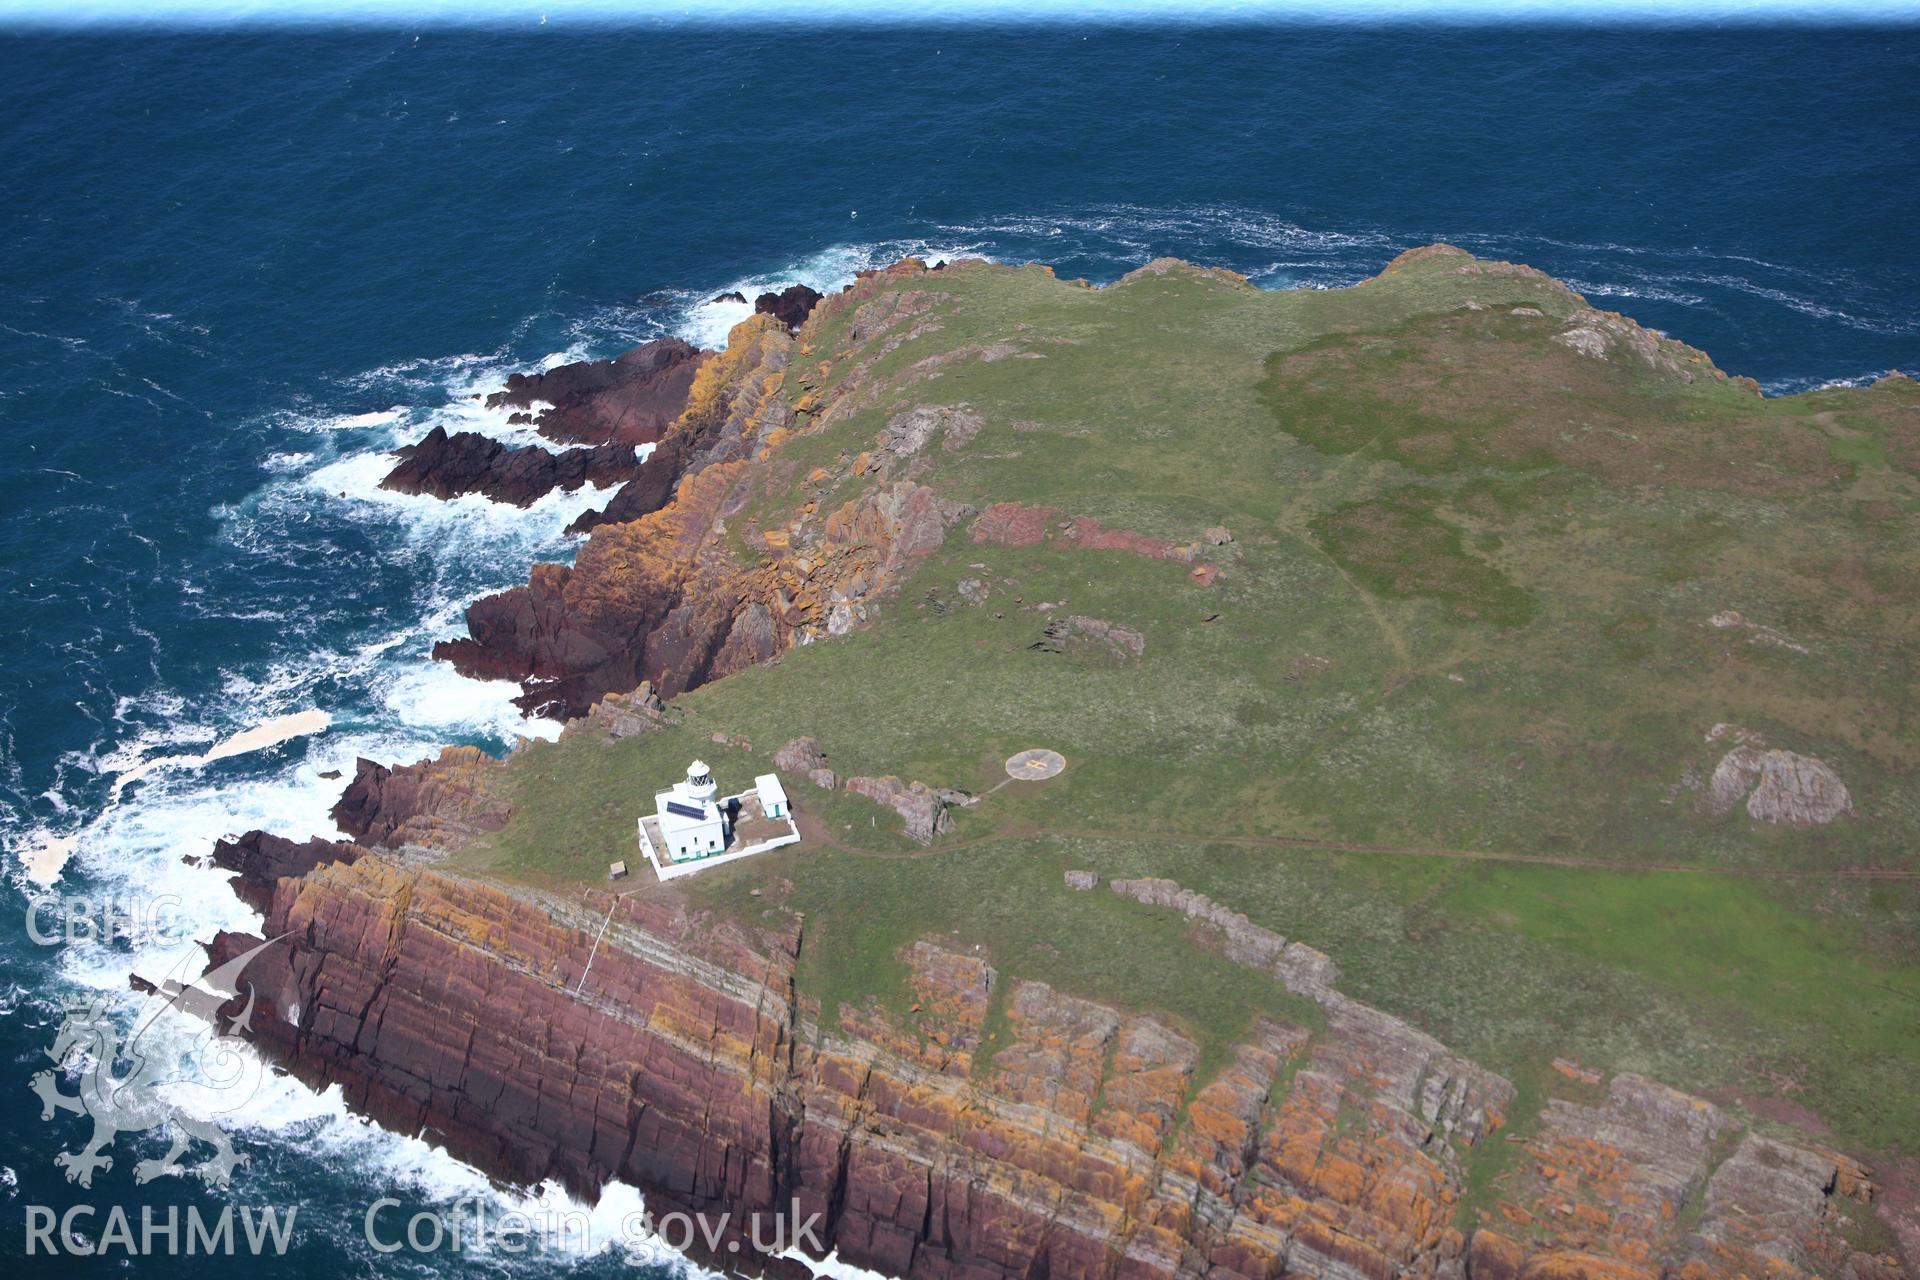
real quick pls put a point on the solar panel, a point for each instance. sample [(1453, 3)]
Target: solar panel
[(685, 810)]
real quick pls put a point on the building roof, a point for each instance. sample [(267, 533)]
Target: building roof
[(771, 792), (678, 812)]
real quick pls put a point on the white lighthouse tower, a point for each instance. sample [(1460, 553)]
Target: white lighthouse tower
[(700, 788), (692, 823)]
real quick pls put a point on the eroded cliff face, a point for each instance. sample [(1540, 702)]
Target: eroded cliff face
[(659, 591), (1063, 1138), (1000, 1127), (652, 597)]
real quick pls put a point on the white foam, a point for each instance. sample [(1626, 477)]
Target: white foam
[(831, 1267), (356, 478), (354, 421), (706, 321), (47, 853), (197, 760), (1806, 306), (265, 734), (431, 695), (1607, 289)]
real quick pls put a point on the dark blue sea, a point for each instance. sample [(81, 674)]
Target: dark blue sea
[(237, 267)]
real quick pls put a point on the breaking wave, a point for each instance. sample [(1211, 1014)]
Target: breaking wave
[(340, 589)]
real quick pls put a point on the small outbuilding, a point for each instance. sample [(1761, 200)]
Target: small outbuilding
[(773, 796)]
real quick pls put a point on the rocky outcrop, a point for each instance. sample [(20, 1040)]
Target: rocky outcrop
[(923, 808), (1449, 1093), (1779, 788), (1605, 1188), (1240, 939), (1754, 1215), (729, 413), (260, 861), (649, 488), (1071, 1139), (1161, 267), (790, 306), (1756, 633), (654, 597), (660, 592), (1120, 642), (908, 432), (621, 715), (630, 400), (802, 755), (832, 575), (445, 466), (1604, 334), (437, 803)]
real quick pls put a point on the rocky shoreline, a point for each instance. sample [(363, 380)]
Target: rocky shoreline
[(1075, 1139), (683, 1062)]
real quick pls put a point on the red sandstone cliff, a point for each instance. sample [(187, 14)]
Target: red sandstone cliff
[(1083, 1141), (657, 594), (676, 1057)]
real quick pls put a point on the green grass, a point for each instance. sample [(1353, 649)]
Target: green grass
[(1009, 899), (1466, 608), (1398, 546)]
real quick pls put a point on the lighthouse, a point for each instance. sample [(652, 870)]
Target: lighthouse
[(694, 826), (692, 823), (700, 787)]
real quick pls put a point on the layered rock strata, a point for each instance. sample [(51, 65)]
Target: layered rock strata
[(1065, 1139)]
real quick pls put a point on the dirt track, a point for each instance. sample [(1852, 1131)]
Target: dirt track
[(814, 831)]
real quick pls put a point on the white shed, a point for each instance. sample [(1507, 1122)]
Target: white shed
[(773, 796)]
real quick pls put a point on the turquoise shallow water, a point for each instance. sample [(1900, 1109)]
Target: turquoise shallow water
[(239, 266)]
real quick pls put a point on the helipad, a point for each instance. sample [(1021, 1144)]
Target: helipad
[(1034, 764)]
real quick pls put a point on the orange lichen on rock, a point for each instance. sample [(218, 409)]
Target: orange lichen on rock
[(671, 1052)]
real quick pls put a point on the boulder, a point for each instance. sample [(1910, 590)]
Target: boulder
[(1780, 788), (802, 755), (622, 715)]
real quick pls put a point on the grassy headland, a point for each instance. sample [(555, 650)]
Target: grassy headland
[(1480, 540)]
